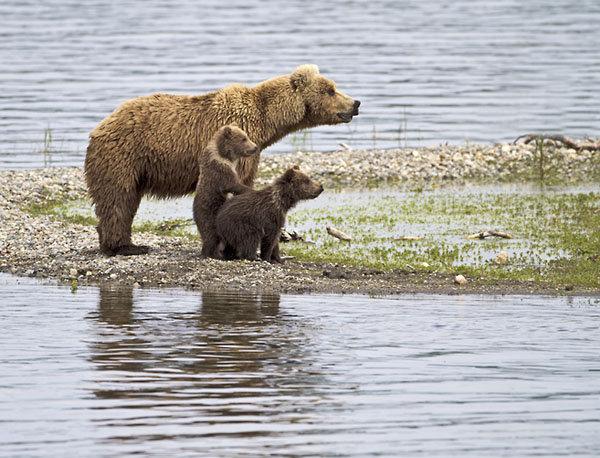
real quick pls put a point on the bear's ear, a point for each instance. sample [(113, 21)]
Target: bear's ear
[(226, 131), (289, 174), (302, 76), (296, 167)]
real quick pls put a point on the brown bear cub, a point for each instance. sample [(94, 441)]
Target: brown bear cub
[(256, 218), (218, 178)]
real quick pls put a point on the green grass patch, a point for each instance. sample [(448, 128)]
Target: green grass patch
[(61, 209), (557, 233), (81, 212), (557, 230), (174, 227)]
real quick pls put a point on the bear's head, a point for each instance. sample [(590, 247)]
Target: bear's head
[(324, 103), (233, 143), (298, 185)]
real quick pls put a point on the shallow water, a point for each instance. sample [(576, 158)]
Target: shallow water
[(426, 72), (181, 208), (117, 372), (440, 228)]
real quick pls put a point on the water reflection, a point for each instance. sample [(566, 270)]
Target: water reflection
[(118, 372), (234, 356), (116, 305)]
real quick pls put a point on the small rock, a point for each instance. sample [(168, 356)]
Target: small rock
[(73, 273), (335, 273), (501, 258), (460, 280), (113, 276), (506, 148)]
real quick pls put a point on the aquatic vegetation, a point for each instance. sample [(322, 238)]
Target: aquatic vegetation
[(557, 233), (46, 147), (302, 141)]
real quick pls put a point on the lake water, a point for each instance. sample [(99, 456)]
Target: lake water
[(426, 72), (117, 372)]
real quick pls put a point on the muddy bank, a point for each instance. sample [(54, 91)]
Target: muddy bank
[(41, 245)]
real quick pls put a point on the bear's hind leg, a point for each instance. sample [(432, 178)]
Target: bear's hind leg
[(114, 225), (248, 244)]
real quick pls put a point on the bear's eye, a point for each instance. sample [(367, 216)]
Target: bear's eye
[(243, 140), (331, 92)]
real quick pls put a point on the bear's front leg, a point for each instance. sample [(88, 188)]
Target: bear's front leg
[(269, 247), (275, 257)]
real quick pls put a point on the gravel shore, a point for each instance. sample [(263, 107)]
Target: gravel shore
[(45, 246)]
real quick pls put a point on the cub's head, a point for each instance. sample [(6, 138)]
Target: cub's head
[(324, 103), (233, 143), (299, 185)]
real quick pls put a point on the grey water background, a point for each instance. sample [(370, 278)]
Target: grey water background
[(117, 372), (427, 72)]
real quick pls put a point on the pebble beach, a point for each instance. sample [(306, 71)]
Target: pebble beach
[(35, 244)]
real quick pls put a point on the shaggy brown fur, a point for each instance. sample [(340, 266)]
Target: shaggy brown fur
[(256, 217), (217, 178), (150, 145)]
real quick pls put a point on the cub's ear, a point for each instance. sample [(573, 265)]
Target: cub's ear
[(226, 131), (296, 167), (289, 174), (302, 76)]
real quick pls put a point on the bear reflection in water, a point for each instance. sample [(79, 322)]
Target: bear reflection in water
[(208, 355)]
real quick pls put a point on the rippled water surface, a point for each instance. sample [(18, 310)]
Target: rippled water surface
[(116, 372), (426, 72)]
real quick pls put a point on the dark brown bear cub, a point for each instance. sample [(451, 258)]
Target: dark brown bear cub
[(218, 178), (256, 217)]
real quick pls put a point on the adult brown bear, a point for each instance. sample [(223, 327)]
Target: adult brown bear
[(151, 145)]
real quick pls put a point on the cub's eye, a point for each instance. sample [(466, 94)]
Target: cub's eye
[(243, 140), (331, 92)]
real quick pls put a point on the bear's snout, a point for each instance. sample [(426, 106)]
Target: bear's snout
[(352, 108), (319, 190)]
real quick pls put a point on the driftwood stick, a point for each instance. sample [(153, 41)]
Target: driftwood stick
[(339, 234), (346, 147), (412, 238), (484, 234), (589, 145)]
